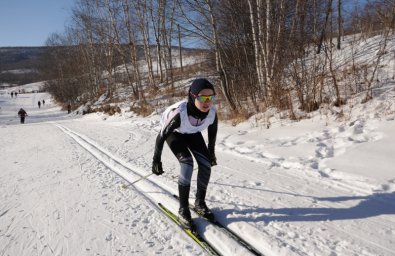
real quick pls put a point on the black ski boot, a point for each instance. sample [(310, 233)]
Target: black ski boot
[(184, 214), (184, 217), (201, 207)]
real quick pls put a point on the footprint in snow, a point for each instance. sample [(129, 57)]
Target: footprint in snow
[(314, 164), (109, 237), (324, 151)]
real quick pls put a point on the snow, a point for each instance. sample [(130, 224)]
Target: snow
[(71, 184), (314, 187), (20, 71)]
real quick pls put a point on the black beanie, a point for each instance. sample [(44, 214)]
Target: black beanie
[(196, 86), (200, 84)]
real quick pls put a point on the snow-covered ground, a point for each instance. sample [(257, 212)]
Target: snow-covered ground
[(314, 187)]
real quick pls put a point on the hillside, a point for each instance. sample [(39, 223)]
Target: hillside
[(20, 65)]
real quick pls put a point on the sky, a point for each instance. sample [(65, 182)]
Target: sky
[(30, 22)]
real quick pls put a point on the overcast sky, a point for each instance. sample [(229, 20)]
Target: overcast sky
[(30, 22)]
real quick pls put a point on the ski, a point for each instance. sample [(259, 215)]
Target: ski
[(194, 235), (228, 231)]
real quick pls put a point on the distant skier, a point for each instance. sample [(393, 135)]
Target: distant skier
[(12, 94), (22, 113), (182, 124), (39, 104), (43, 103), (69, 108)]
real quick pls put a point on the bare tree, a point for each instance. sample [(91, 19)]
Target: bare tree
[(168, 38), (162, 16), (114, 11), (324, 26), (339, 23), (256, 29), (157, 18), (261, 51), (132, 46), (206, 29), (142, 9)]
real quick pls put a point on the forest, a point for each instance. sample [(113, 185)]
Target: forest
[(261, 54)]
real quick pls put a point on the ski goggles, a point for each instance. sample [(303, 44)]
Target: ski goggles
[(204, 98)]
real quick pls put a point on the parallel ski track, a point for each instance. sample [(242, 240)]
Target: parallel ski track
[(95, 150), (230, 233), (196, 237)]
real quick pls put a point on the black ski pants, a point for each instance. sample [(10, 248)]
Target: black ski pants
[(183, 147)]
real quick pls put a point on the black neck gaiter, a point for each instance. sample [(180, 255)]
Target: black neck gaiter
[(193, 110)]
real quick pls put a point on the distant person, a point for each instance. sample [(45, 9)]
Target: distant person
[(22, 113), (16, 94), (43, 103), (69, 108), (12, 94), (39, 104)]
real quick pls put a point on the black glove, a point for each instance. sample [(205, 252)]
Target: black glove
[(157, 168), (213, 159)]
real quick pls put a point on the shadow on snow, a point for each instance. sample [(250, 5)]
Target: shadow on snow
[(369, 206)]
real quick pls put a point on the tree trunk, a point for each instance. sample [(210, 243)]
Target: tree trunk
[(328, 11), (339, 24), (218, 59), (255, 40)]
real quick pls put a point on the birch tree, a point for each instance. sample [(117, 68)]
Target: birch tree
[(132, 43), (339, 23), (114, 11), (142, 9), (256, 28), (205, 28)]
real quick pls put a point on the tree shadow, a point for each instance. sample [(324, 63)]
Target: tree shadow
[(369, 206)]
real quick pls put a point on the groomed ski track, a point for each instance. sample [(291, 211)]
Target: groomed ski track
[(156, 192), (275, 205)]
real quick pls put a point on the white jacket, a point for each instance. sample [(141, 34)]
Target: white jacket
[(189, 124)]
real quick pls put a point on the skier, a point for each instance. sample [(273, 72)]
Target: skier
[(182, 124), (39, 104), (22, 113)]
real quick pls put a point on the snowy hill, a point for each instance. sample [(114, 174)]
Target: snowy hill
[(19, 65), (321, 186)]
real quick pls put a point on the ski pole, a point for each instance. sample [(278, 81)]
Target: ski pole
[(141, 178)]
